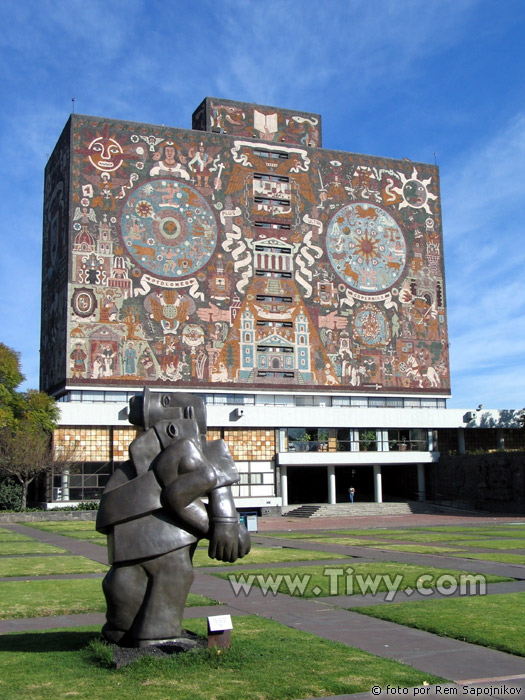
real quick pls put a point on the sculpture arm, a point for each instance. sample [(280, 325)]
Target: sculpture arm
[(186, 476), (229, 539)]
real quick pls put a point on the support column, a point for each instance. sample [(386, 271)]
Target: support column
[(64, 484), (331, 484), (378, 487), (461, 441), (421, 493), (284, 485)]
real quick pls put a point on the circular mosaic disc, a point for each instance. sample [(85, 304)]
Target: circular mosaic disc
[(366, 247), (168, 228)]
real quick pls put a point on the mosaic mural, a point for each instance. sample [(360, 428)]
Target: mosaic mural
[(226, 258)]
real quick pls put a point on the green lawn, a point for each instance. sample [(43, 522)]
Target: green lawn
[(10, 536), (267, 661), (418, 548), (265, 555), (49, 566), (59, 597), (502, 557), (511, 543), (59, 526), (364, 578), (494, 621), (28, 547)]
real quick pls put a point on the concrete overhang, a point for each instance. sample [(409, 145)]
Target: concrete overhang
[(363, 459)]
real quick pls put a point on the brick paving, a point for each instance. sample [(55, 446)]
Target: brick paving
[(457, 661)]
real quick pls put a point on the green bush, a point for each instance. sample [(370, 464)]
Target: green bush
[(10, 495)]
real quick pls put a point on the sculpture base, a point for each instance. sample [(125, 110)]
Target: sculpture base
[(157, 648)]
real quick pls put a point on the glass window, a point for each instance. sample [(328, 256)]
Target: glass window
[(93, 396), (394, 403), (116, 396), (304, 400), (367, 440), (412, 403), (340, 401), (361, 401), (428, 403), (283, 401), (377, 402)]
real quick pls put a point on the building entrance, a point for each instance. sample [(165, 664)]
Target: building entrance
[(307, 485), (361, 478)]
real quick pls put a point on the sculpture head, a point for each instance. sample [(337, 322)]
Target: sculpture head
[(150, 408)]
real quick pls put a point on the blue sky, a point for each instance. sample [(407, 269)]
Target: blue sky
[(399, 78)]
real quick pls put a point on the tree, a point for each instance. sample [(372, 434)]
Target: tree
[(27, 422)]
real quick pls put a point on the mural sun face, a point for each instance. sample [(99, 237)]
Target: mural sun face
[(415, 192), (105, 154)]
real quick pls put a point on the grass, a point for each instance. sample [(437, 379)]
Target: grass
[(418, 548), (21, 599), (10, 536), (495, 544), (31, 547), (265, 555), (61, 526), (83, 530), (502, 557), (267, 661), (494, 621), (49, 566), (378, 544), (319, 581)]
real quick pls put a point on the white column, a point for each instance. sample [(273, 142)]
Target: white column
[(378, 488), (331, 484), (421, 482), (284, 485), (461, 441), (64, 484)]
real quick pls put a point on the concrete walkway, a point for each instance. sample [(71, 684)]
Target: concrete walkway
[(458, 662)]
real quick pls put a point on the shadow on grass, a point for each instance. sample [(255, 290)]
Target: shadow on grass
[(44, 642)]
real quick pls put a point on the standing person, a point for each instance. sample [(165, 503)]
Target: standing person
[(351, 492)]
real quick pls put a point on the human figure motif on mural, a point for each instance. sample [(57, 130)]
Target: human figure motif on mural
[(78, 357), (153, 515), (169, 165), (200, 166), (130, 358)]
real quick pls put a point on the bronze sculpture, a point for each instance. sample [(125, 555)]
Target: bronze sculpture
[(153, 515)]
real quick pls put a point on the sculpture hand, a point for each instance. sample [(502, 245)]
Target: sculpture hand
[(244, 541), (224, 541)]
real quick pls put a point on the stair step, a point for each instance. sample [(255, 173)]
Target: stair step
[(325, 510)]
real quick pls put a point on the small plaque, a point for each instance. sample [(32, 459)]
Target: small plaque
[(220, 623)]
